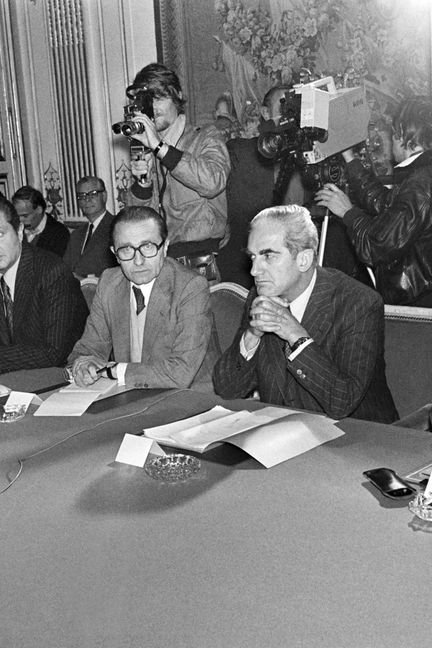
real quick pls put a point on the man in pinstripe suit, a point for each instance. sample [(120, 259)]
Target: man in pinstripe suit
[(42, 309), (311, 338)]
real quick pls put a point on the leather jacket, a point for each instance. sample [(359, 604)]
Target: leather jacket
[(193, 176), (394, 232)]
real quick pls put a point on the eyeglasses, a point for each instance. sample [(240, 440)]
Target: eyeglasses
[(89, 194), (147, 250)]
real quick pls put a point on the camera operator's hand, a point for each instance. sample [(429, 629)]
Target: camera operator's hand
[(150, 138), (334, 199), (141, 169)]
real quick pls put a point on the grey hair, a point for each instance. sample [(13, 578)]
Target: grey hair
[(300, 231)]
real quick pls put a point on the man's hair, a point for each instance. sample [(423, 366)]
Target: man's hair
[(412, 122), (300, 231), (139, 214), (9, 212), (95, 179), (31, 195), (161, 82)]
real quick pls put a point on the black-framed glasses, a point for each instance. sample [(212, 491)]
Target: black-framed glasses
[(147, 250), (85, 195)]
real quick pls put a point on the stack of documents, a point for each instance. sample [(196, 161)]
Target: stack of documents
[(270, 435), (73, 400)]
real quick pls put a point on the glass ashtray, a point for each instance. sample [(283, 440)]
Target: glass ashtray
[(419, 507), (12, 413), (171, 468)]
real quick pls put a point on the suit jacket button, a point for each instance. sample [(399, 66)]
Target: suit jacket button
[(299, 372)]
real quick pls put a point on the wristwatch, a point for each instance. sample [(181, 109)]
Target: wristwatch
[(298, 343)]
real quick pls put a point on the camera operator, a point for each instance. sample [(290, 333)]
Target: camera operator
[(394, 232), (183, 172)]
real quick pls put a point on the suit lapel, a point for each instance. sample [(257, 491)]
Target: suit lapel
[(121, 317), (24, 285), (316, 320), (158, 309)]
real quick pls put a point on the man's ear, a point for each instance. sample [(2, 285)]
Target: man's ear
[(265, 112), (305, 260)]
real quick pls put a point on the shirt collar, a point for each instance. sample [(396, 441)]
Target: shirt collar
[(409, 160), (145, 289), (298, 305), (97, 221)]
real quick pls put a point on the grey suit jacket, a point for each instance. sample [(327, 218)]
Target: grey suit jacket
[(342, 373), (97, 255), (179, 347)]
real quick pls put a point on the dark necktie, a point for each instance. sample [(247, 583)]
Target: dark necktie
[(88, 237), (7, 307), (139, 298)]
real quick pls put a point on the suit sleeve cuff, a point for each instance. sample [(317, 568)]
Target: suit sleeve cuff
[(299, 349)]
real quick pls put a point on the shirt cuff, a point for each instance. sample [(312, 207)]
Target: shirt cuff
[(121, 372), (299, 349), (247, 354)]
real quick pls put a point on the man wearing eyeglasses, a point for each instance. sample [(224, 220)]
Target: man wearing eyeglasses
[(88, 251), (152, 315)]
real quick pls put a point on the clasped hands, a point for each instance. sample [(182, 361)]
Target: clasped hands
[(272, 315)]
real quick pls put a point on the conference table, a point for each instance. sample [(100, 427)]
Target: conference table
[(96, 553)]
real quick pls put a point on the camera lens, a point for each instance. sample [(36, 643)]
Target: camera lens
[(128, 128), (132, 128)]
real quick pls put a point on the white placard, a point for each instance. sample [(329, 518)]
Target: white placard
[(134, 450)]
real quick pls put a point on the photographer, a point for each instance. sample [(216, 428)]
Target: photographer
[(183, 172), (394, 233)]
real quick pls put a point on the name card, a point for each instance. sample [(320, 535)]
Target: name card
[(134, 450)]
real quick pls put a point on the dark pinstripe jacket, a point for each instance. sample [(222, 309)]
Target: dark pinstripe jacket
[(49, 312), (342, 373)]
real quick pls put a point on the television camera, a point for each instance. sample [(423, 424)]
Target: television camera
[(314, 125)]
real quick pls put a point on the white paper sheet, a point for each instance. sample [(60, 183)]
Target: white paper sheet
[(258, 433), (73, 400), (61, 404)]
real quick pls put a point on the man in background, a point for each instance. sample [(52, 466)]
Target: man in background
[(88, 251), (40, 228), (184, 173), (311, 338), (42, 309), (152, 315), (257, 182)]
